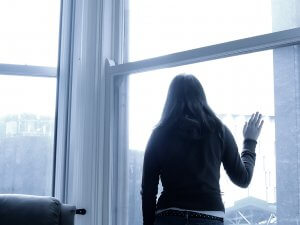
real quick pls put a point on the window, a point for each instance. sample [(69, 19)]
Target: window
[(28, 61), (234, 52), (233, 102)]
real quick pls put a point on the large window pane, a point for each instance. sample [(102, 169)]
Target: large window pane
[(235, 88), (164, 27), (27, 110), (29, 32)]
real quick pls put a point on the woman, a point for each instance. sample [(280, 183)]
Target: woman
[(185, 151)]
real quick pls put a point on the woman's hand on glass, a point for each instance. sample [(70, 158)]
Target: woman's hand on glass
[(253, 127)]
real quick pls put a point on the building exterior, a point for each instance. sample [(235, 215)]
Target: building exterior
[(26, 125), (251, 211)]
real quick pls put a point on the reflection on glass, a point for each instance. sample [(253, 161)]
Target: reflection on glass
[(164, 27), (27, 110), (29, 32), (235, 87)]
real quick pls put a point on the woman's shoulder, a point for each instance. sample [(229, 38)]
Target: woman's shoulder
[(160, 132), (226, 130)]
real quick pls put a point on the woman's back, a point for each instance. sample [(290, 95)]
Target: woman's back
[(190, 166), (186, 151)]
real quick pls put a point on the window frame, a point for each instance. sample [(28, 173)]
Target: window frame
[(118, 74), (227, 49), (25, 70), (63, 100)]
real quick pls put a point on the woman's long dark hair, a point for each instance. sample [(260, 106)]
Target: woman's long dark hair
[(186, 97)]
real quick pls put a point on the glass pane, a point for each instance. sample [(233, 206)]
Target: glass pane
[(29, 32), (26, 134), (235, 88), (164, 27)]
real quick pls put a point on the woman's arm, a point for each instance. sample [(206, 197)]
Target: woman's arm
[(240, 168), (150, 179)]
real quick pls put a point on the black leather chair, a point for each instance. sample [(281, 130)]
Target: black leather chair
[(18, 209)]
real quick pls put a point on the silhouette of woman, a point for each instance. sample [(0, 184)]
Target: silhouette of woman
[(185, 151)]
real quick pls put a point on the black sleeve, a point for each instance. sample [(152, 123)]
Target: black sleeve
[(150, 179), (239, 168)]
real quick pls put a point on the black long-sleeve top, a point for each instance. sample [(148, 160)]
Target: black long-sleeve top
[(188, 165)]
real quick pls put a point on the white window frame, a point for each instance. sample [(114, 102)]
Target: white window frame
[(227, 49), (63, 101), (118, 74), (24, 70)]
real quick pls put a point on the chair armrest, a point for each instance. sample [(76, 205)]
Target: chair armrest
[(29, 210), (67, 214)]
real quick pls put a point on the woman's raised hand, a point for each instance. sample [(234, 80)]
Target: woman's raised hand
[(253, 127)]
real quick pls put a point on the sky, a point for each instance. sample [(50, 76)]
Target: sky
[(29, 32), (29, 35), (34, 95)]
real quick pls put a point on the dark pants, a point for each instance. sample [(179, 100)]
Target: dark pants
[(175, 220)]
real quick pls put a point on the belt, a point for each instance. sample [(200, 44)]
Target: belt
[(188, 214)]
